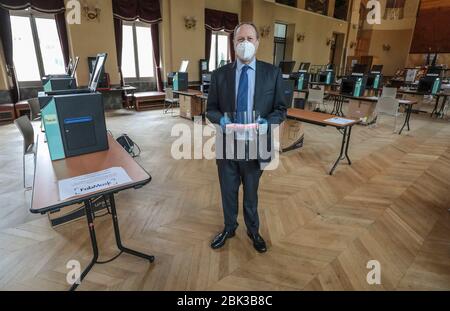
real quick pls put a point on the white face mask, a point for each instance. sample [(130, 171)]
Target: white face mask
[(245, 50)]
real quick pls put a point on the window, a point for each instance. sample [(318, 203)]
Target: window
[(340, 9), (292, 3), (36, 46), (137, 51), (394, 9), (317, 6), (220, 50)]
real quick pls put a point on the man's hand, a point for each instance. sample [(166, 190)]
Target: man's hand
[(263, 125), (223, 122)]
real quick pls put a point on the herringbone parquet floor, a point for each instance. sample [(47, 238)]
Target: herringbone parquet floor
[(391, 205)]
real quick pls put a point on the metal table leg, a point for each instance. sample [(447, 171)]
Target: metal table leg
[(441, 110), (435, 106), (335, 103), (117, 234), (341, 104), (344, 148), (90, 221), (348, 143), (407, 117)]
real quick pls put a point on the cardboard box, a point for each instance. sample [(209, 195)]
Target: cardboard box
[(190, 106), (291, 135), (362, 110)]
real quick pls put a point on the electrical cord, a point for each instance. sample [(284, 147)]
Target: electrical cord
[(111, 259)]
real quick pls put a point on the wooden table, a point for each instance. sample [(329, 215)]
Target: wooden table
[(373, 99), (190, 103), (319, 118), (45, 196), (415, 92)]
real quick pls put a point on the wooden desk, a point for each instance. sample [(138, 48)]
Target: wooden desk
[(319, 118), (45, 196), (190, 103)]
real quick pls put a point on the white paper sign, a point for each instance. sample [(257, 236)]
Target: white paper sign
[(341, 121), (88, 183)]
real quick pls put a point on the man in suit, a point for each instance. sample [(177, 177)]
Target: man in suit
[(240, 88)]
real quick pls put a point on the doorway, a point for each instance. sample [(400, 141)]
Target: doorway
[(336, 51), (279, 49)]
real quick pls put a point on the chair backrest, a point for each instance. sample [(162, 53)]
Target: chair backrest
[(316, 95), (389, 92), (387, 105), (26, 129), (35, 108), (169, 93)]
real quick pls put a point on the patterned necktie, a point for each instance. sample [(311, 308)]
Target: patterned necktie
[(242, 96)]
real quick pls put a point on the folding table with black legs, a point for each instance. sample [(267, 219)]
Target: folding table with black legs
[(46, 193)]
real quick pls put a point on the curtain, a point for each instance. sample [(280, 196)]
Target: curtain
[(6, 39), (156, 55), (231, 44), (216, 21), (145, 10), (220, 20), (118, 35), (44, 6), (60, 19), (208, 34)]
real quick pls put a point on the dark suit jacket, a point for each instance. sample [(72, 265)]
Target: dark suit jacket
[(269, 99)]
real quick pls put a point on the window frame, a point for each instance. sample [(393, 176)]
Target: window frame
[(138, 78), (32, 15), (217, 34)]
